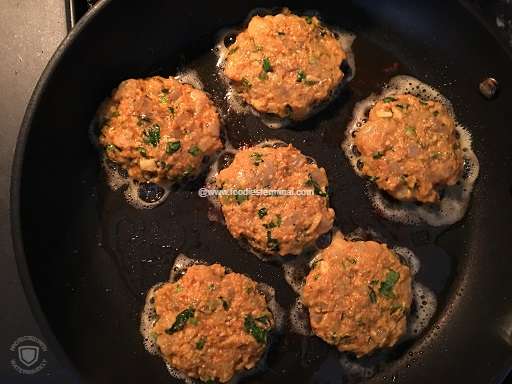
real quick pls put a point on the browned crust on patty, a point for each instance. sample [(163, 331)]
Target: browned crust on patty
[(409, 147), (358, 294), (278, 225), (159, 129), (213, 342), (285, 64)]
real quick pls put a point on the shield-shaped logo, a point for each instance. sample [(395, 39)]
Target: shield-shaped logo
[(28, 354)]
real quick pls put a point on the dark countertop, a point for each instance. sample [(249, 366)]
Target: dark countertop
[(30, 31)]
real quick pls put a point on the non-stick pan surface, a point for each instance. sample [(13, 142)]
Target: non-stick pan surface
[(89, 257)]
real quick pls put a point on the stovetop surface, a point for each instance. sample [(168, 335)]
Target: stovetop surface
[(30, 31)]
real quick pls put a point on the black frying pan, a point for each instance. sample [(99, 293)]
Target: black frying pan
[(84, 252)]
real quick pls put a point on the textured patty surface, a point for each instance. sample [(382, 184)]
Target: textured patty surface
[(409, 147), (285, 64), (358, 294), (276, 224), (159, 128), (211, 324)]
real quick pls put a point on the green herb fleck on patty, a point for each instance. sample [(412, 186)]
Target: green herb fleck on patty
[(386, 286), (410, 131), (388, 99), (200, 343), (262, 212), (194, 150), (272, 244), (181, 321), (152, 135), (274, 223), (301, 76), (240, 198), (395, 307), (257, 158), (112, 147), (246, 84), (377, 155), (250, 326), (316, 187), (164, 99), (267, 67), (309, 19), (172, 147), (142, 151)]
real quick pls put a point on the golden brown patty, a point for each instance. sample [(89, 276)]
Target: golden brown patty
[(358, 294), (285, 64), (409, 147), (159, 128), (276, 224), (211, 324)]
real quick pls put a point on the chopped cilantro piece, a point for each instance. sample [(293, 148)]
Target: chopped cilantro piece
[(112, 147), (240, 198), (377, 155), (152, 135), (181, 321), (316, 187), (388, 99), (172, 147), (262, 212), (194, 150), (142, 151), (410, 131), (250, 326), (257, 158), (164, 99), (200, 343), (386, 286), (267, 67), (245, 83)]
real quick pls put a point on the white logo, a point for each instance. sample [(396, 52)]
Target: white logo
[(29, 355)]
